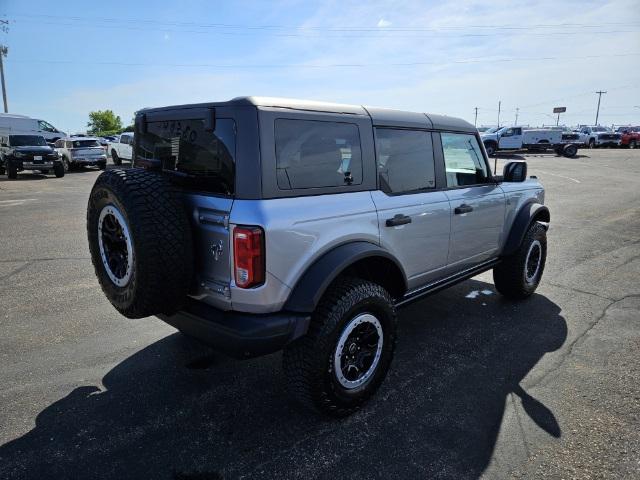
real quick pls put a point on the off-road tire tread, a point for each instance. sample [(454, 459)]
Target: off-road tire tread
[(304, 360), (162, 239), (508, 276)]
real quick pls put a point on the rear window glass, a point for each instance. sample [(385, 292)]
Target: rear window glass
[(313, 154), (85, 143), (205, 160)]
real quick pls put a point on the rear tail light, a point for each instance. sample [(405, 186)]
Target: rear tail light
[(248, 256)]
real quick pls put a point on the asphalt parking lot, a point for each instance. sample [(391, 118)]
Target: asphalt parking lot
[(480, 386)]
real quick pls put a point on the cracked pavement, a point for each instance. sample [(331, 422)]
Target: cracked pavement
[(479, 387)]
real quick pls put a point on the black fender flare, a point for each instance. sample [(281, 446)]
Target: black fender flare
[(316, 279), (527, 214)]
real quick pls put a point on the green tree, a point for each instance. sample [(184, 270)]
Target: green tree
[(103, 122)]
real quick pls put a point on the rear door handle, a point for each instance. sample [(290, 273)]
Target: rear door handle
[(398, 219), (464, 208)]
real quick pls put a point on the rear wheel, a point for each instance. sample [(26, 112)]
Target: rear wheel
[(632, 144), (347, 352), (570, 151), (592, 143), (519, 274), (140, 242)]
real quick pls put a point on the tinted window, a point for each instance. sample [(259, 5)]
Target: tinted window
[(404, 160), (85, 143), (45, 126), (26, 140), (313, 154), (202, 159), (463, 160)]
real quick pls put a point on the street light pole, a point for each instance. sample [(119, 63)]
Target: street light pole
[(598, 110), (475, 121), (517, 110), (3, 53)]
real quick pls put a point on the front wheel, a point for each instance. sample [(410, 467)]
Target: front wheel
[(341, 362), (519, 274), (632, 144), (12, 172), (592, 143), (116, 159), (490, 147), (58, 170)]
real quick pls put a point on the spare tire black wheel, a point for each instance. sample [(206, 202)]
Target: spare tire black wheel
[(140, 242)]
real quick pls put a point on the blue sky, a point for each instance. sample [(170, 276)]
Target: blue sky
[(67, 58)]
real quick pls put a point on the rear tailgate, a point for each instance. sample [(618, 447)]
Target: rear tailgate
[(210, 221)]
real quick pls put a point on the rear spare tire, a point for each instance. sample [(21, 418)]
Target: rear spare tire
[(140, 242)]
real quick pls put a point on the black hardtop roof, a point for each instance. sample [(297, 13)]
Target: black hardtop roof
[(379, 116)]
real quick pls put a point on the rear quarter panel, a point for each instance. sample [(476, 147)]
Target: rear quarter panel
[(298, 231)]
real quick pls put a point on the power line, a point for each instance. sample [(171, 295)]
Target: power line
[(322, 28), (326, 65), (318, 34)]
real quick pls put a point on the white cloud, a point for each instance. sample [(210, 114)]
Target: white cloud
[(383, 23)]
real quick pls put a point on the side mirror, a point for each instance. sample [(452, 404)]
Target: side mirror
[(515, 171)]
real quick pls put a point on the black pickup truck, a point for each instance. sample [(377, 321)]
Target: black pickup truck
[(28, 152)]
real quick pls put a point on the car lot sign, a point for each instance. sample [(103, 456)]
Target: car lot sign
[(559, 109)]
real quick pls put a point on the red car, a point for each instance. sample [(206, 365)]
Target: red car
[(630, 136)]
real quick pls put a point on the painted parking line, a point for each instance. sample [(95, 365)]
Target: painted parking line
[(561, 176), (16, 203)]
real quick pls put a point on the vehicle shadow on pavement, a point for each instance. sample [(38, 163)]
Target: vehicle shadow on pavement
[(176, 410), (25, 177)]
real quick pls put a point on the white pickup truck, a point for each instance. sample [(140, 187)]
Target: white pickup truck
[(518, 137), (121, 148)]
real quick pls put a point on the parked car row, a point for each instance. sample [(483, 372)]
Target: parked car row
[(563, 140)]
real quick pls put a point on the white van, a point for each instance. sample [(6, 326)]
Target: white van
[(11, 124)]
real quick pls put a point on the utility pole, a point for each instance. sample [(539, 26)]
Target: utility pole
[(499, 106), (517, 110), (3, 53), (598, 110), (475, 121)]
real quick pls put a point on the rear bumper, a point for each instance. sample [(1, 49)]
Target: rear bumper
[(89, 161), (238, 334)]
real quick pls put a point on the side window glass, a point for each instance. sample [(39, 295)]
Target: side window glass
[(315, 154), (508, 132), (42, 125), (404, 159), (464, 163)]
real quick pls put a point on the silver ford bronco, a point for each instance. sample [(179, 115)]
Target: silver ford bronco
[(262, 224)]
